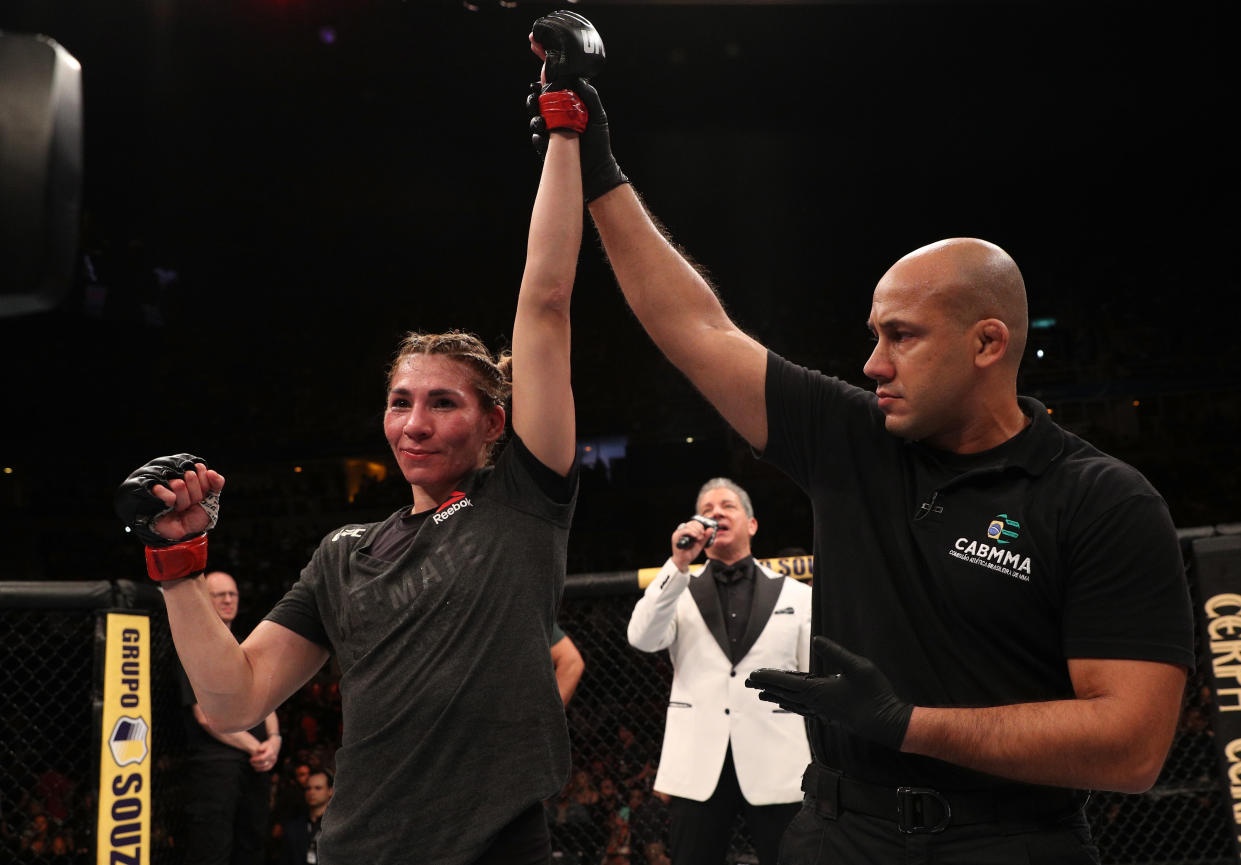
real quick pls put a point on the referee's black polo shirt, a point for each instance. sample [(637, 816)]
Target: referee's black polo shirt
[(969, 580)]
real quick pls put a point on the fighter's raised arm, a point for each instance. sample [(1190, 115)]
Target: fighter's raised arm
[(543, 412), (675, 304)]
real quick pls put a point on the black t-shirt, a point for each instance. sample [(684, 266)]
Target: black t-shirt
[(969, 580), (452, 721)]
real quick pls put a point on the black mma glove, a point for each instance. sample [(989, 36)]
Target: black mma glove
[(573, 45), (859, 697), (574, 54), (167, 559)]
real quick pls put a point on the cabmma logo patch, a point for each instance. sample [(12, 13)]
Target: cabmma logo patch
[(128, 740), (993, 553)]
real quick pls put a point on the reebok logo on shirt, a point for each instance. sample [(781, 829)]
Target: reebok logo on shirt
[(454, 503)]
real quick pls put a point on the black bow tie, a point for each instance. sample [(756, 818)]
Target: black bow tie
[(728, 573)]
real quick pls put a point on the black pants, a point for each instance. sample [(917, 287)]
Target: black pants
[(699, 832), (226, 815), (524, 841), (859, 839)]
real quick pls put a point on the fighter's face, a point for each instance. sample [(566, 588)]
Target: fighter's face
[(435, 423)]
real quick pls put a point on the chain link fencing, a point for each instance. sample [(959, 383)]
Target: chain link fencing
[(46, 753), (49, 726)]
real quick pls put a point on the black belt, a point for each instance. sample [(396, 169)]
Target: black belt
[(922, 810)]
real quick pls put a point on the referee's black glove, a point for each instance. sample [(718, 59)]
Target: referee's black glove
[(859, 698)]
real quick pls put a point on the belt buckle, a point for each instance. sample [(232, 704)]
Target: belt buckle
[(909, 801)]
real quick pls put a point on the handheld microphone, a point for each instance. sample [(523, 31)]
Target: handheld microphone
[(688, 540)]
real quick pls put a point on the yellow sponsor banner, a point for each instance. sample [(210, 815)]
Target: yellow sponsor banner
[(124, 828), (797, 567)]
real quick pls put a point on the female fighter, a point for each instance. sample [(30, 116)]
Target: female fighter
[(439, 616)]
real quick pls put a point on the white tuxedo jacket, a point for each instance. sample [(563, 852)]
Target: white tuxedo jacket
[(710, 705)]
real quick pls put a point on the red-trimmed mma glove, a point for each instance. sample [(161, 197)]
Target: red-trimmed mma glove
[(138, 508), (553, 109), (575, 54)]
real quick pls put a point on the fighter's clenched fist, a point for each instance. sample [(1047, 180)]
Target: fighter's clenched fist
[(572, 52), (574, 48), (171, 503)]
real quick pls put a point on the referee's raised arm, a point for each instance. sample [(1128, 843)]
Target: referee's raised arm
[(682, 314)]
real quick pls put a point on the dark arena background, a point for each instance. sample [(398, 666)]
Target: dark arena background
[(273, 191)]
